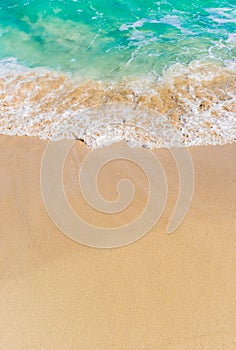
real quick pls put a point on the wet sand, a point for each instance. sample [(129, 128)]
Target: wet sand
[(165, 292), (188, 105)]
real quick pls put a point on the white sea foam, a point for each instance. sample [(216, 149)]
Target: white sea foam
[(188, 105), (222, 15)]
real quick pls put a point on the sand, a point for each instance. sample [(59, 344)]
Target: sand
[(164, 292), (188, 105)]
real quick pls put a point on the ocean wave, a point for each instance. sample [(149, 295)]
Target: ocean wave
[(188, 105)]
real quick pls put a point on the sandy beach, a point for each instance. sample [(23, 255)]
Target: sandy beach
[(163, 292)]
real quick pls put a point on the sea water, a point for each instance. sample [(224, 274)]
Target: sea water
[(153, 73)]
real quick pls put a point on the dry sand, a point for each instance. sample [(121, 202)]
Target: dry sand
[(164, 292)]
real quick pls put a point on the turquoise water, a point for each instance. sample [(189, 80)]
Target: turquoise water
[(105, 38), (155, 73)]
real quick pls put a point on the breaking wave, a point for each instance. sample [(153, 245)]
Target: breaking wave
[(188, 105)]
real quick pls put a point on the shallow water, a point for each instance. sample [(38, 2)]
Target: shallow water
[(155, 73)]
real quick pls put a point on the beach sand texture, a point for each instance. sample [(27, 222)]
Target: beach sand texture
[(164, 292)]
